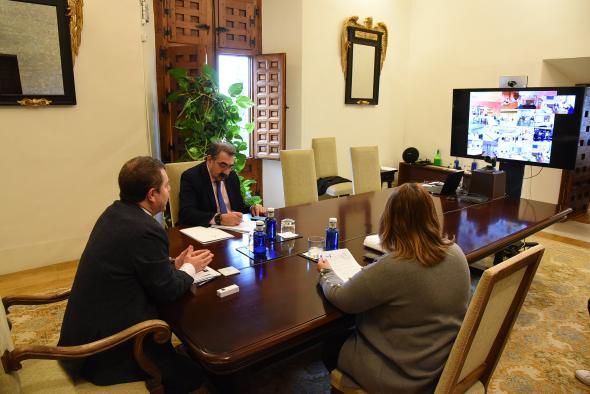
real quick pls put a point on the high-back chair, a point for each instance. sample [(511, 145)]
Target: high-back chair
[(34, 369), (299, 178), (326, 165), (490, 317), (366, 170), (175, 171)]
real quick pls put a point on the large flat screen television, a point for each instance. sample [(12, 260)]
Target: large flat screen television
[(533, 126)]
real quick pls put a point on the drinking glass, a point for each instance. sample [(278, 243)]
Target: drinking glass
[(316, 246), (288, 225)]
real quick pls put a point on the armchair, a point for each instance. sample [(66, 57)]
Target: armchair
[(47, 376)]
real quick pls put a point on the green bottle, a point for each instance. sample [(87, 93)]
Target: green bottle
[(437, 158)]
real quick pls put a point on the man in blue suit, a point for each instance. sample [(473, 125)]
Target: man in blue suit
[(210, 192)]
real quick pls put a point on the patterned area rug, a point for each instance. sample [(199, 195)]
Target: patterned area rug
[(550, 339)]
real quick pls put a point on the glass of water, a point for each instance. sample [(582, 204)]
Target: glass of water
[(316, 246), (288, 225)]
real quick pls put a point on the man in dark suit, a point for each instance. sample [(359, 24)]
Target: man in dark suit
[(210, 192), (124, 274)]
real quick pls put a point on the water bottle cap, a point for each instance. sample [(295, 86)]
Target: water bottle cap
[(270, 212), (259, 225), (332, 220)]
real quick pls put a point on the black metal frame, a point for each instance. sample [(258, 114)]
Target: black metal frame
[(352, 39), (67, 67)]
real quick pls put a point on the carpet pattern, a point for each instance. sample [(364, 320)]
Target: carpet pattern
[(551, 337)]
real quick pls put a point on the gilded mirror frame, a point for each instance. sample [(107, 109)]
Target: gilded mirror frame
[(69, 28), (357, 35)]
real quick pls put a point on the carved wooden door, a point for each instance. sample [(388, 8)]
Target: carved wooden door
[(269, 105), (238, 25), (190, 22)]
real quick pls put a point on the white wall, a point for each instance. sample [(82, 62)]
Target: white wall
[(61, 163), (471, 43), (312, 29)]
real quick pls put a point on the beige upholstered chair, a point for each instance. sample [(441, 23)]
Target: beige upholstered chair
[(326, 164), (41, 373), (366, 170), (491, 314), (174, 171), (299, 178)]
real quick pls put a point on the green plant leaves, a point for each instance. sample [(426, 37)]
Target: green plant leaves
[(235, 89), (244, 102), (177, 73), (210, 74), (209, 116), (173, 97)]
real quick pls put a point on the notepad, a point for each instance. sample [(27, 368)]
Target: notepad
[(342, 262), (373, 242), (205, 235), (227, 271), (243, 227)]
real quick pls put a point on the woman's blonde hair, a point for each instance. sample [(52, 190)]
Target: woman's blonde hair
[(409, 226)]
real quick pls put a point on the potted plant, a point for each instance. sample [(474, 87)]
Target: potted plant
[(207, 115)]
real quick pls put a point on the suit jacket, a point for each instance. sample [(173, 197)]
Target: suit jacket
[(123, 275), (197, 200)]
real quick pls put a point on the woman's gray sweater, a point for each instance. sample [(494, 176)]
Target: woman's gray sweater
[(408, 316)]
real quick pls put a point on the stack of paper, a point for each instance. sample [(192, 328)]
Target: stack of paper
[(206, 235), (246, 226), (373, 242), (342, 262)]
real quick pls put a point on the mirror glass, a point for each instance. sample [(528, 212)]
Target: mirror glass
[(363, 67), (35, 55)]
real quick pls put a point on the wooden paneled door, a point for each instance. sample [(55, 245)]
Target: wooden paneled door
[(269, 105), (239, 26), (190, 21)]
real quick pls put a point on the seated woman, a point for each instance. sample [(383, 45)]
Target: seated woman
[(409, 304)]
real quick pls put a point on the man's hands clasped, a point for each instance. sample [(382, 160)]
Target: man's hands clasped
[(198, 258)]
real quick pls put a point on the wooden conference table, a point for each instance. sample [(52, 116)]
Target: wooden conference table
[(280, 307)]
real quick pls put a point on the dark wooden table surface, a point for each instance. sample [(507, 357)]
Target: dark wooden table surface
[(279, 305)]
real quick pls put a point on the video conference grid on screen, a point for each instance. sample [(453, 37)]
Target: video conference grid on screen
[(515, 125)]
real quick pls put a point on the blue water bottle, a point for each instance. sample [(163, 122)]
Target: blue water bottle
[(259, 242), (332, 235), (473, 165), (271, 224)]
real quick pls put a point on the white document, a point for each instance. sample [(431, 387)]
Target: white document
[(206, 274), (206, 235), (246, 226), (342, 262), (383, 168), (373, 242)]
